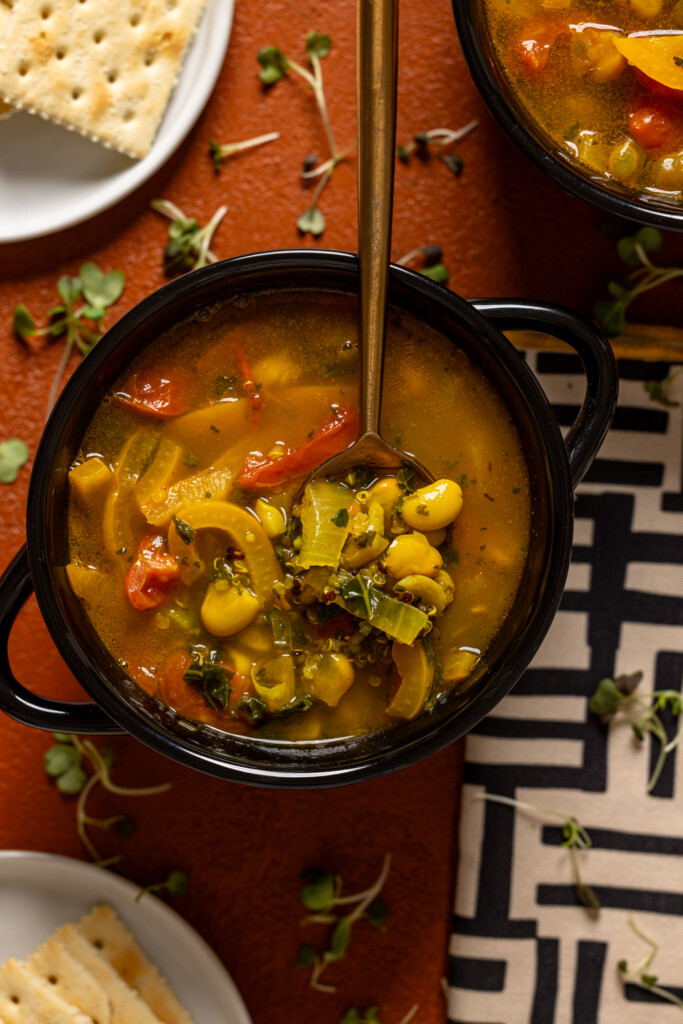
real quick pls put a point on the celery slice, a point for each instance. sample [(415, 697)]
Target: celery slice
[(361, 598), (323, 539)]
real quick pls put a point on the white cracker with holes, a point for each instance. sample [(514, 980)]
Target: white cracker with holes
[(5, 12), (104, 68)]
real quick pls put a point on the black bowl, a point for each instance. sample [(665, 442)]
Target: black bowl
[(555, 469), (610, 196)]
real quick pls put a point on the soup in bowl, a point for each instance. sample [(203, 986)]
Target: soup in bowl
[(592, 91), (279, 634)]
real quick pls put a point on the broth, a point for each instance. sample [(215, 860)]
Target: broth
[(200, 429)]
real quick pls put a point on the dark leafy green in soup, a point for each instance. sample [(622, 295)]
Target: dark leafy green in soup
[(604, 79), (241, 603)]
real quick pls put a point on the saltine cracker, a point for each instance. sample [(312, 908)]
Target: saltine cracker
[(104, 68)]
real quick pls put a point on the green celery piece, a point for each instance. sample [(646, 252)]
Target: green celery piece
[(322, 539), (401, 621), (398, 620)]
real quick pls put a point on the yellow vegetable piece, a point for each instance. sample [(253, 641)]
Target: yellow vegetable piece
[(434, 506), (89, 480), (595, 54), (122, 524), (274, 682), (354, 554), (417, 676), (87, 583), (458, 664), (244, 533), (228, 610), (272, 519), (330, 677), (428, 590), (215, 482), (655, 56), (156, 478), (412, 553), (215, 426)]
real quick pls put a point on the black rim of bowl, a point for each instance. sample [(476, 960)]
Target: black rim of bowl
[(513, 118), (302, 765)]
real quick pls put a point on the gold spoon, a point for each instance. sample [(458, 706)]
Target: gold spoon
[(377, 25)]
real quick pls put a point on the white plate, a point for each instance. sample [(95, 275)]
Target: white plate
[(51, 178), (40, 891)]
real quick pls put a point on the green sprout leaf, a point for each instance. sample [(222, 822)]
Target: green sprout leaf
[(273, 65), (100, 289), (72, 780), (13, 455), (189, 244), (341, 937), (607, 698), (311, 222), (306, 955), (69, 289), (377, 913), (437, 273), (318, 45), (60, 758), (23, 324), (175, 885), (633, 250), (320, 891), (611, 317), (658, 390)]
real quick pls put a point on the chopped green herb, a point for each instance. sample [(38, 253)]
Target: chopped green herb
[(185, 531), (190, 460), (341, 519), (516, 490), (222, 385), (405, 478), (678, 61), (209, 677), (214, 428)]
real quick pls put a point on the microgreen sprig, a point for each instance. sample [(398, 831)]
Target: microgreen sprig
[(371, 1015), (274, 66), (575, 838), (431, 259), (640, 974), (617, 695), (64, 762), (633, 251), (13, 455), (176, 885), (189, 244), (437, 139), (659, 390), (322, 894), (82, 324), (220, 152)]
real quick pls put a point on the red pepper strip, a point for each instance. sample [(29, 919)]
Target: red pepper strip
[(153, 575), (260, 472), (254, 395), (154, 392)]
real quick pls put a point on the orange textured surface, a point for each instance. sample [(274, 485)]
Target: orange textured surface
[(505, 229)]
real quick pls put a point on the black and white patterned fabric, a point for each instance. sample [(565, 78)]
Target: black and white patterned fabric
[(523, 950)]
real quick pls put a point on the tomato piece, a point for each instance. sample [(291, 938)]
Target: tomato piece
[(240, 686), (334, 436), (175, 692), (532, 47), (153, 575), (254, 396), (343, 623), (657, 89), (155, 392), (651, 126)]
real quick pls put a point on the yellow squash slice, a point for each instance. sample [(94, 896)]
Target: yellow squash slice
[(658, 57)]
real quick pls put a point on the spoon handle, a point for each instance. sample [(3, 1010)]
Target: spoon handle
[(376, 76)]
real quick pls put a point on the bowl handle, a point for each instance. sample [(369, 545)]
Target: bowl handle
[(602, 381), (18, 702)]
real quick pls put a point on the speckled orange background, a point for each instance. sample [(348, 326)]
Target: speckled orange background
[(505, 229)]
